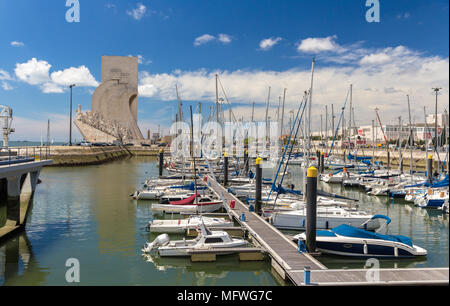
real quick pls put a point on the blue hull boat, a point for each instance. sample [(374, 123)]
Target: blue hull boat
[(346, 240)]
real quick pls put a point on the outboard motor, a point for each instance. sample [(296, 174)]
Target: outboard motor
[(161, 240)]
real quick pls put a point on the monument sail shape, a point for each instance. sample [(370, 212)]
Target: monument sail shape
[(113, 115)]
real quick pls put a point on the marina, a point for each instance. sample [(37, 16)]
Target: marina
[(235, 147)]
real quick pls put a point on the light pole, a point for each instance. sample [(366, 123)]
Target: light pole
[(70, 126)]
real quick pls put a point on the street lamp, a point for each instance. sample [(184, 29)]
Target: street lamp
[(70, 126)]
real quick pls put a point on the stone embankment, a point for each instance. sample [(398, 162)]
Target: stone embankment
[(64, 156)]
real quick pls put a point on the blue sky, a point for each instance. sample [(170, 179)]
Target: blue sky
[(406, 52)]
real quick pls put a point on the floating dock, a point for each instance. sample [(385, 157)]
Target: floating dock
[(290, 264)]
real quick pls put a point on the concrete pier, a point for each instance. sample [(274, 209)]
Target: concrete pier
[(20, 180)]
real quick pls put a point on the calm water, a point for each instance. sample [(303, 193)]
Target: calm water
[(86, 213)]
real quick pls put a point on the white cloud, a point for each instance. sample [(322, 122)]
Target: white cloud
[(316, 45), (33, 72), (138, 12), (50, 87), (17, 44), (268, 43), (80, 76), (4, 75), (203, 39), (375, 58), (37, 72), (405, 15), (224, 38), (384, 85), (141, 59), (6, 86)]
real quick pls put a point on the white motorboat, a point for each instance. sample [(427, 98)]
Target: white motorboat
[(327, 217), (183, 225), (346, 240), (205, 240), (434, 198)]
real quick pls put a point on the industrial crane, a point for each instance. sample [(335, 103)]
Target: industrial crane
[(6, 118)]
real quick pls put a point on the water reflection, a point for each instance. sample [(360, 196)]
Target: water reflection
[(208, 273), (18, 264)]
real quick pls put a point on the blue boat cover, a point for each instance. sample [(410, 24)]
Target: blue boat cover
[(350, 231), (360, 158)]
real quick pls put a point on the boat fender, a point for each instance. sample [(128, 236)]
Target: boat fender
[(242, 218), (326, 225), (251, 208), (396, 251), (303, 223), (365, 248)]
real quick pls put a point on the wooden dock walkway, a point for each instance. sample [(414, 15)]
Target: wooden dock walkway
[(290, 264)]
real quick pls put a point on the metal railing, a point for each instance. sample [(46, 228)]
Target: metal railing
[(17, 155)]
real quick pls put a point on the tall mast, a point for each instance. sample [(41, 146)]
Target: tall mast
[(400, 158), (373, 142), (321, 129), (267, 113), (217, 100), (309, 111), (411, 140), (282, 112), (326, 127), (332, 120), (193, 156), (253, 111), (48, 133), (436, 90), (350, 118)]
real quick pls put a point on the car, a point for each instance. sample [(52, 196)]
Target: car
[(85, 143)]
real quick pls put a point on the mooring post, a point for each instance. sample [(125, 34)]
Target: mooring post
[(161, 161), (225, 166), (389, 160), (311, 209), (318, 160), (258, 185), (246, 161), (322, 162), (430, 168)]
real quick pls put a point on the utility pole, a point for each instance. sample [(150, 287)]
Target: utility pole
[(70, 127)]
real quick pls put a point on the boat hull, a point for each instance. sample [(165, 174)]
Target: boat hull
[(298, 222), (194, 209), (372, 248)]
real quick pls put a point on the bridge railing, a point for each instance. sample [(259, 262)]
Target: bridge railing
[(16, 155)]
